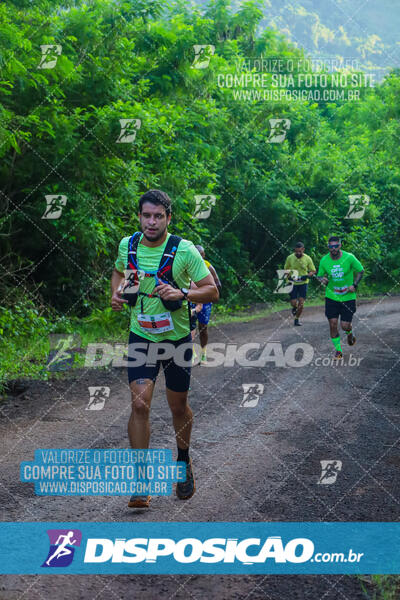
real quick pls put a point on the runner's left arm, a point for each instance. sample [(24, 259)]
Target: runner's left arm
[(359, 273), (196, 270), (206, 291), (357, 278), (198, 307), (217, 280), (311, 268)]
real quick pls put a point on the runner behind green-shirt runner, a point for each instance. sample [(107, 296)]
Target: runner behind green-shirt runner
[(341, 272), (203, 315), (303, 265)]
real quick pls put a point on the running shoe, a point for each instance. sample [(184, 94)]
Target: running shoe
[(351, 339), (294, 310), (139, 502), (338, 355), (203, 357), (186, 489), (297, 323)]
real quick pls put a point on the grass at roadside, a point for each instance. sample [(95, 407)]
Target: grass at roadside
[(260, 311), (380, 587)]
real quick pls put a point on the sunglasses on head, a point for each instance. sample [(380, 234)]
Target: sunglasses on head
[(333, 245)]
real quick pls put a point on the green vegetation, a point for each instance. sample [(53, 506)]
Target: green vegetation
[(381, 587), (133, 60)]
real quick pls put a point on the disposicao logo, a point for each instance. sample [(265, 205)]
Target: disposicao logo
[(190, 550), (62, 547)]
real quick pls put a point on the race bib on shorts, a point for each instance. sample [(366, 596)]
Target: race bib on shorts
[(155, 323)]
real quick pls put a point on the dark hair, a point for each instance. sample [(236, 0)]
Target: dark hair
[(299, 245), (156, 197), (334, 238)]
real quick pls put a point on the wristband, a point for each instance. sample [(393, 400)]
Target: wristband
[(185, 292)]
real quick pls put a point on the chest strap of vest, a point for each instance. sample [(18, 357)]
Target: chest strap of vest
[(162, 274)]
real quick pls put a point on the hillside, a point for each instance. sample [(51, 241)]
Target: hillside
[(367, 31)]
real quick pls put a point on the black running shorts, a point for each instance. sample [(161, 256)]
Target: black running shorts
[(345, 310), (145, 359), (298, 291)]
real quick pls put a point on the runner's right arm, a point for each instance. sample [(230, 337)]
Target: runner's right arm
[(287, 268), (117, 302), (290, 274), (118, 276), (324, 280), (321, 275)]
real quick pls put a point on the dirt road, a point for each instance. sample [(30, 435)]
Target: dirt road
[(252, 463)]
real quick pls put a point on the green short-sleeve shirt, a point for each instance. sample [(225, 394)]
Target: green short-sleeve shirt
[(188, 266), (302, 265), (340, 274)]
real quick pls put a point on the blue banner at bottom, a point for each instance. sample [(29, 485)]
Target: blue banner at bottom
[(207, 548)]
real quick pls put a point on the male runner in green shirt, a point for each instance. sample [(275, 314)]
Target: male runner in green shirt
[(303, 264), (156, 328), (341, 272)]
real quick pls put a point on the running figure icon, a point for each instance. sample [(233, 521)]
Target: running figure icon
[(329, 471), (62, 549)]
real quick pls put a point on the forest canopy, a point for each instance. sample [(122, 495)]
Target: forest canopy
[(118, 61)]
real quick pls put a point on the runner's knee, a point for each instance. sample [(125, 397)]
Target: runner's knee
[(178, 403), (333, 324), (141, 398), (178, 410), (140, 408)]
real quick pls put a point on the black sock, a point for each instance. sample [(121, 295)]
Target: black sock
[(183, 454)]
